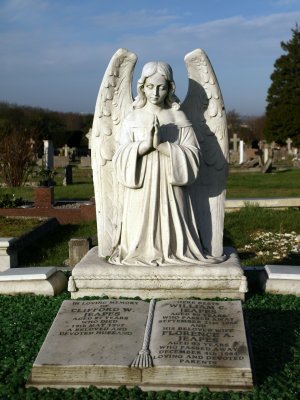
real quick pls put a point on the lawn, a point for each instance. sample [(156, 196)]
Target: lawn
[(276, 184), (240, 185), (15, 227)]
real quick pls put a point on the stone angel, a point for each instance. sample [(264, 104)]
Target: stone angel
[(159, 168)]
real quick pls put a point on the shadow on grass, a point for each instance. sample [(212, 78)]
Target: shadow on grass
[(52, 249), (273, 335)]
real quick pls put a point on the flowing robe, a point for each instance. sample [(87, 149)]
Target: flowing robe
[(157, 225)]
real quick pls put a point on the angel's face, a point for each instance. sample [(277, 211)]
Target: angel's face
[(156, 89)]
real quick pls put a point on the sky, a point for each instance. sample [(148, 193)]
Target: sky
[(53, 53)]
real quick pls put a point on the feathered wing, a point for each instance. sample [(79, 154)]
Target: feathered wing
[(114, 101), (205, 108)]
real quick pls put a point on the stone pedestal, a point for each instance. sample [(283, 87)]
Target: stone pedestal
[(94, 276), (8, 255)]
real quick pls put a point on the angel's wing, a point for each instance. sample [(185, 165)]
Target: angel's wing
[(113, 103), (205, 108)]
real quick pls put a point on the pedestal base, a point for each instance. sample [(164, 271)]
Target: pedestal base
[(94, 276)]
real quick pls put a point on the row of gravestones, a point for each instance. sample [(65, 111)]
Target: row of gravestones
[(241, 154), (66, 154)]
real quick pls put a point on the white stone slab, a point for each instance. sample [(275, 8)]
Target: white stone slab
[(54, 284), (27, 274), (191, 343), (283, 272)]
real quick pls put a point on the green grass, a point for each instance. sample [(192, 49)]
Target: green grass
[(240, 185), (273, 327), (15, 227), (240, 226), (53, 249), (277, 184)]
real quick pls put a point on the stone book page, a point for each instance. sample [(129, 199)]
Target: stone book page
[(196, 341), (90, 342)]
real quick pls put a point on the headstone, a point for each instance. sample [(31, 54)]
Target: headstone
[(89, 138), (77, 250), (68, 178), (289, 145), (267, 167), (169, 344), (85, 162), (241, 151), (266, 154), (235, 140), (48, 158), (66, 150), (35, 280), (60, 161)]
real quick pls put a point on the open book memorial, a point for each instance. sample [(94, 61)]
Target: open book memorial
[(169, 344)]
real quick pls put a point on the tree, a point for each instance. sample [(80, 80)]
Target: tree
[(283, 108), (233, 122), (17, 156)]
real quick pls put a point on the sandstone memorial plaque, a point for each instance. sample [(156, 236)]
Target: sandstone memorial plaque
[(189, 344)]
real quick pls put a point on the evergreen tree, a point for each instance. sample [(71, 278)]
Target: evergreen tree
[(283, 108)]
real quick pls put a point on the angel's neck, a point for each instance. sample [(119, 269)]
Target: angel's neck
[(153, 108)]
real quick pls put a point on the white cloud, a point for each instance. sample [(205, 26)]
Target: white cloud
[(134, 19), (21, 10)]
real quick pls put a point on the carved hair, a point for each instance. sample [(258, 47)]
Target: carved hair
[(150, 69)]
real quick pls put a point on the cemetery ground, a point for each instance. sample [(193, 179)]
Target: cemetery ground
[(262, 236)]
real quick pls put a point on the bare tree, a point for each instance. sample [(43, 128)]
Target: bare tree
[(17, 156)]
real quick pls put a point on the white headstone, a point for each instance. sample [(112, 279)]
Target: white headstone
[(48, 154), (241, 151), (289, 144), (266, 155), (89, 138)]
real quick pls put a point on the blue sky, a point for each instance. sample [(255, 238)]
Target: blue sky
[(54, 52)]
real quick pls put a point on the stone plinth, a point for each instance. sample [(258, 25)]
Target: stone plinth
[(33, 280), (283, 279), (94, 276), (8, 255)]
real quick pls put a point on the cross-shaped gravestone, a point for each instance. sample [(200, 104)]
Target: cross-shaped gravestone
[(235, 141), (273, 145), (289, 143)]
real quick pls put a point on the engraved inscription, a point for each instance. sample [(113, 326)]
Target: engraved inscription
[(100, 332), (103, 318), (199, 333)]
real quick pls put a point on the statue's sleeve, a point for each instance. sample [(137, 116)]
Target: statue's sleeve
[(184, 158), (129, 166)]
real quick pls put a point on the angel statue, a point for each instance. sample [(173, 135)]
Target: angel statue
[(159, 168)]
